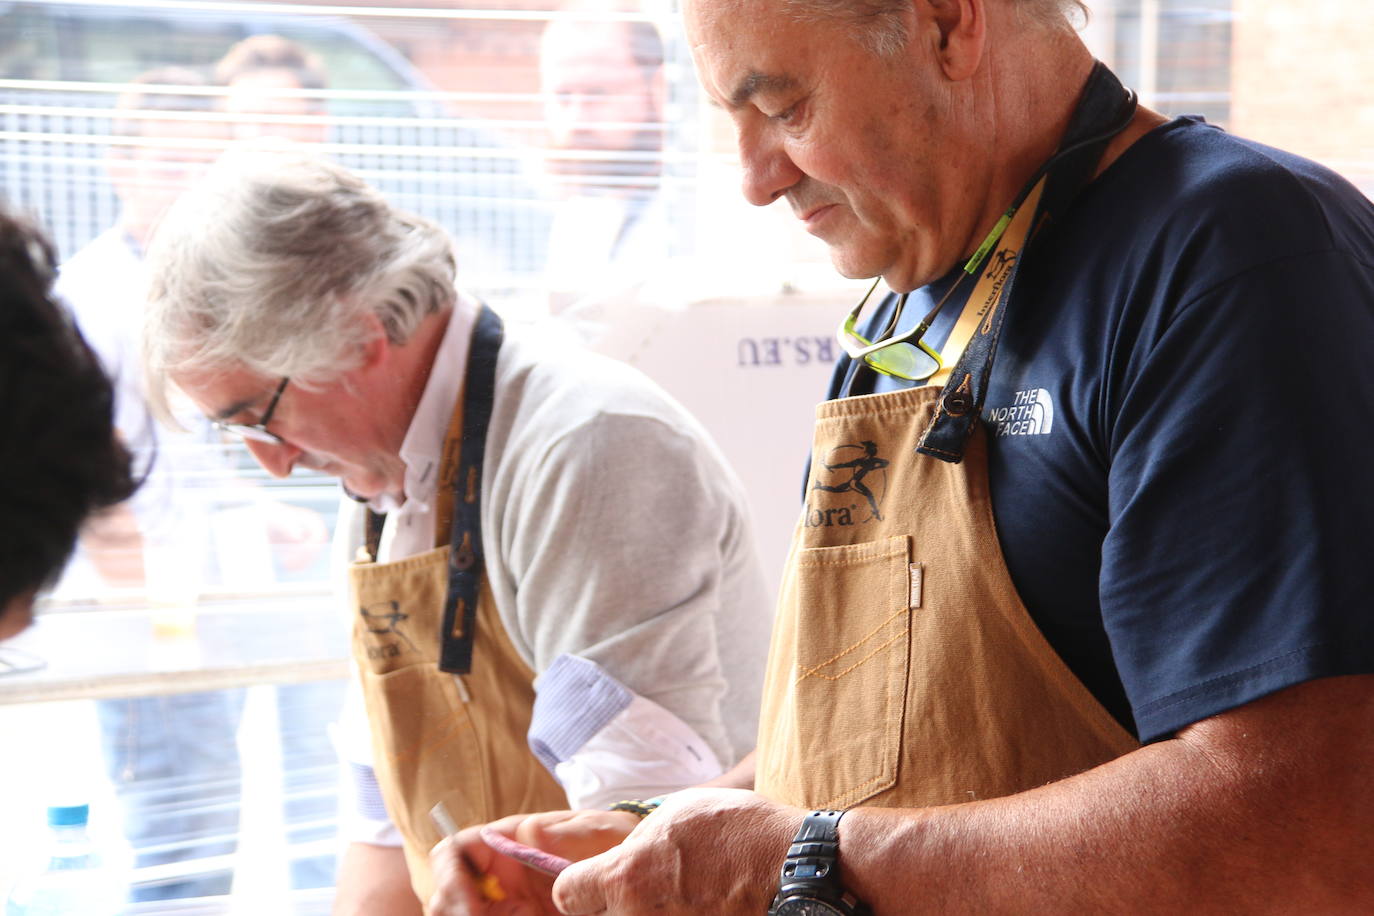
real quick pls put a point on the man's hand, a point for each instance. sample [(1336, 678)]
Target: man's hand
[(297, 535), (114, 543), (704, 851), (470, 878)]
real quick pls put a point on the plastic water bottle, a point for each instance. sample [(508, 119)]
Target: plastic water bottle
[(75, 881)]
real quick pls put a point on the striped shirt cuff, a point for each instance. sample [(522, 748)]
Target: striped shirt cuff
[(575, 699)]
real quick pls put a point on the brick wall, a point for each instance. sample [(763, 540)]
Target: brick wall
[(1303, 80)]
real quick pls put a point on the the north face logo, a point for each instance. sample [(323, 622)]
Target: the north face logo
[(1030, 414)]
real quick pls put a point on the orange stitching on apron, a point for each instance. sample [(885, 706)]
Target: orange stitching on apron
[(865, 638), (835, 677), (420, 560), (442, 732), (835, 802), (938, 451)]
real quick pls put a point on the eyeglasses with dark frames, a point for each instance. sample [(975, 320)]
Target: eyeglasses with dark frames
[(257, 432)]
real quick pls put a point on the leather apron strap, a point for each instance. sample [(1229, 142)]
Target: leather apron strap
[(460, 496), (465, 559)]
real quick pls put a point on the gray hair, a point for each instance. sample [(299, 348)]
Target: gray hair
[(878, 24), (272, 263)]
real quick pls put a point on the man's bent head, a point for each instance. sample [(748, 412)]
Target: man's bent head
[(283, 265)]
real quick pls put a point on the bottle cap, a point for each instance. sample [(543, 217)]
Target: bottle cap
[(68, 815)]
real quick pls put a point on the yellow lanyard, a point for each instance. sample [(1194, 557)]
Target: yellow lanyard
[(996, 271)]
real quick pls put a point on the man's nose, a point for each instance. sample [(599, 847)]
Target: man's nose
[(277, 458), (768, 170), (566, 117)]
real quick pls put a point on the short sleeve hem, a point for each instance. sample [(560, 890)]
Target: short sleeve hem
[(1162, 718)]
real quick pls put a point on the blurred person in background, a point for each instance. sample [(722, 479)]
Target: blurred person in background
[(557, 599), (61, 462), (604, 93), (173, 758), (163, 137), (272, 89)]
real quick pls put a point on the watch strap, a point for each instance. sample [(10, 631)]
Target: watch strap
[(816, 849), (812, 868), (820, 825)]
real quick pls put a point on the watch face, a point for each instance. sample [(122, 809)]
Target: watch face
[(803, 906)]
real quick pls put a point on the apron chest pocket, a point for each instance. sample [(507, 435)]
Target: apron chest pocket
[(428, 745), (842, 707)]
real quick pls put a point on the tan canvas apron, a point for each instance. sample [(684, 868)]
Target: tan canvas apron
[(439, 736), (904, 669)]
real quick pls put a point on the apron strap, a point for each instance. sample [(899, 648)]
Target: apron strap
[(1104, 109), (465, 567), (465, 564)]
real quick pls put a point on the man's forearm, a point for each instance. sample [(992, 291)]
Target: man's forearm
[(1261, 809), (1264, 808), (374, 881), (739, 776)]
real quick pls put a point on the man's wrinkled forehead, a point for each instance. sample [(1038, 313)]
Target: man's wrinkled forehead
[(732, 63), (701, 16), (222, 393)]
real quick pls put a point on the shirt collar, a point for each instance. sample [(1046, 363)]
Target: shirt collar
[(423, 446)]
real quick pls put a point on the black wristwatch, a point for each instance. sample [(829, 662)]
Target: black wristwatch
[(810, 884)]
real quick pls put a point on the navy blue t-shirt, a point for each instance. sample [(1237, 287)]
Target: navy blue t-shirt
[(1181, 421)]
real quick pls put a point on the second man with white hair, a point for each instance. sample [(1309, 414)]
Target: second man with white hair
[(558, 601)]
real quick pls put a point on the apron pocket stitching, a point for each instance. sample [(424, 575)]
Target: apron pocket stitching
[(815, 672), (859, 790), (807, 672)]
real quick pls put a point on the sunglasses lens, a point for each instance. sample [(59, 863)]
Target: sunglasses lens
[(904, 360)]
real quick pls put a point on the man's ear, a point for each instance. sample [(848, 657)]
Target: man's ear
[(376, 345), (962, 26)]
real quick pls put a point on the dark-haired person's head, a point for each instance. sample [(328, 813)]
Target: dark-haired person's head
[(60, 460)]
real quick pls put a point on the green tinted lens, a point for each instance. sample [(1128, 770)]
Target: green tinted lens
[(904, 360), (849, 330)]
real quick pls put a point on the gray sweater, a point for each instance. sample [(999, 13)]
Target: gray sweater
[(615, 531)]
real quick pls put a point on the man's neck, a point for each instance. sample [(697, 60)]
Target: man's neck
[(1040, 79), (417, 356)]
